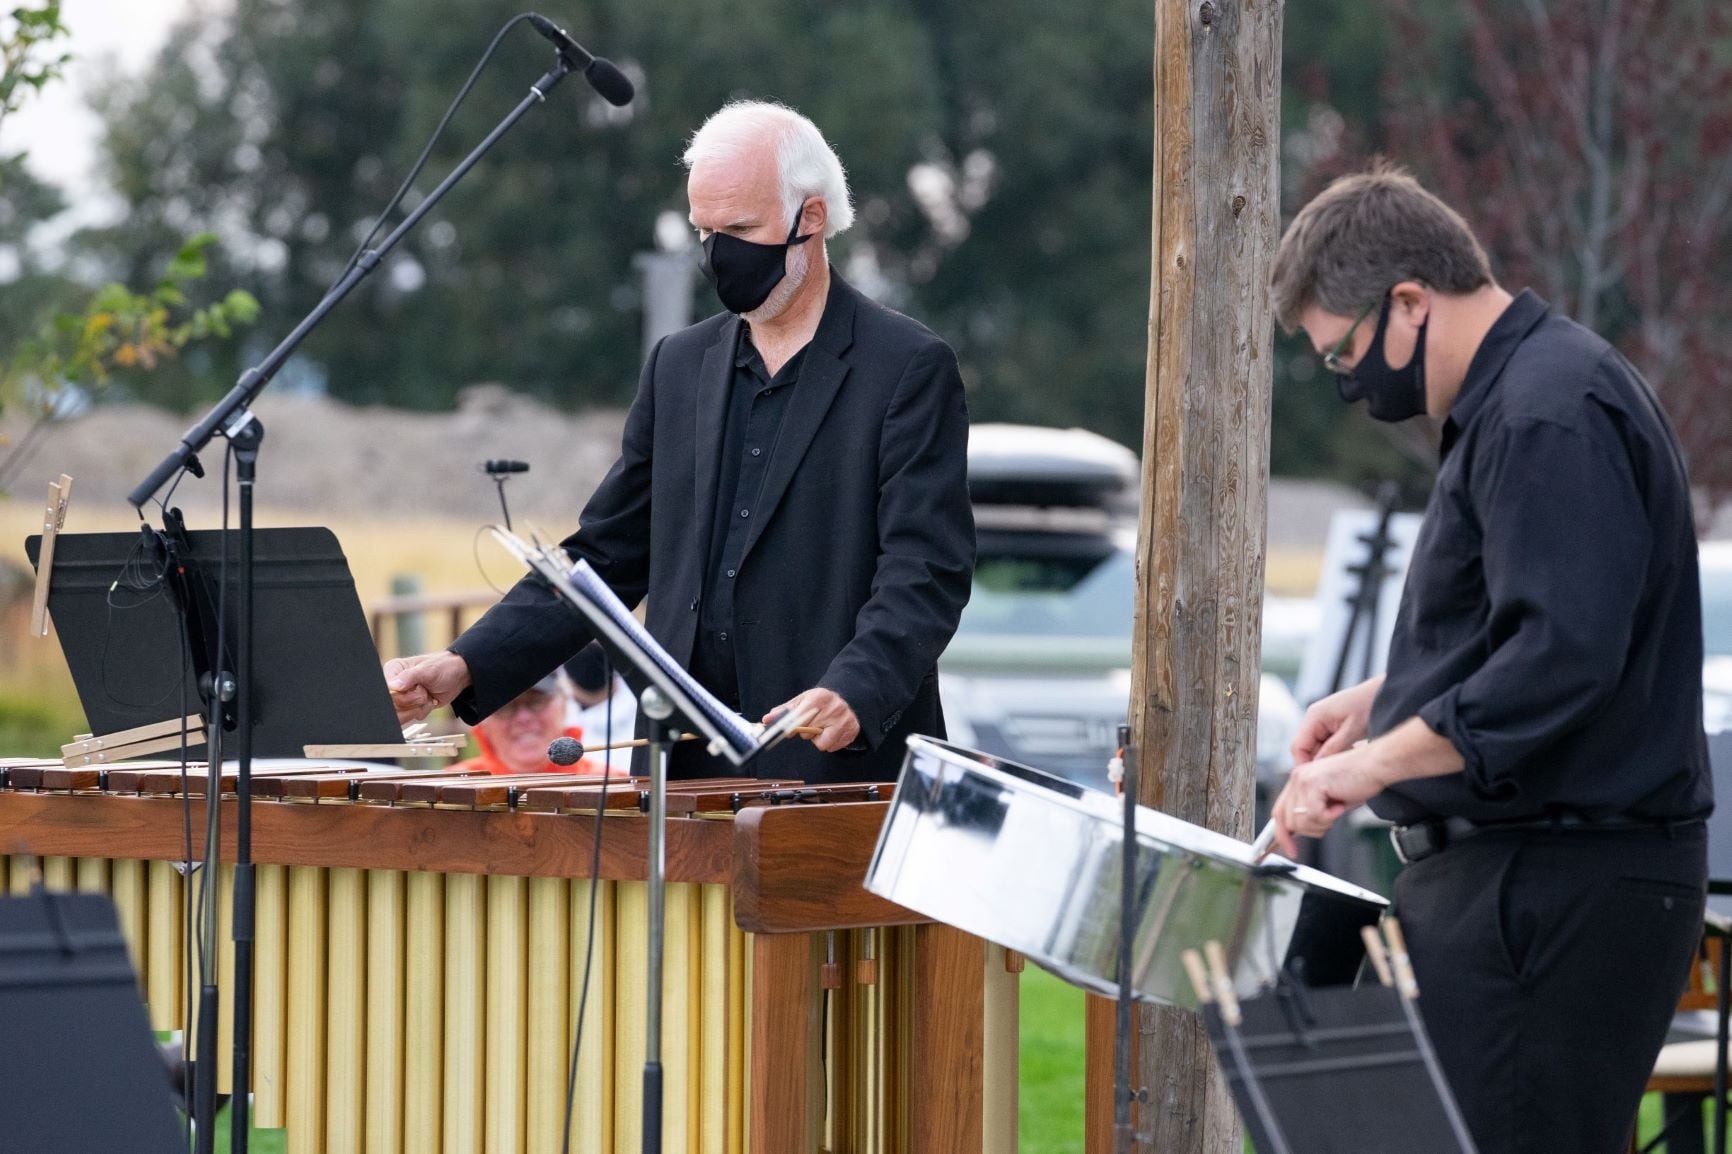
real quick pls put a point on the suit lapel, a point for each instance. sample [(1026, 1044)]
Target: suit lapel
[(715, 377), (821, 377)]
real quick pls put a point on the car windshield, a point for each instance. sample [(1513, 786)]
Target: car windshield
[(1041, 594)]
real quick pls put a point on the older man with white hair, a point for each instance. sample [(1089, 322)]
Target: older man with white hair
[(791, 498)]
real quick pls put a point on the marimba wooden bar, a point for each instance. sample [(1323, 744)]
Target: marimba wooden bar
[(420, 959)]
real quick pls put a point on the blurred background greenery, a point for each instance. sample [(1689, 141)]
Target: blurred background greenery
[(1000, 155)]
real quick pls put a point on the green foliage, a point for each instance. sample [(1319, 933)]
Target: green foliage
[(27, 61), (121, 329), (1033, 119), (285, 124), (59, 335)]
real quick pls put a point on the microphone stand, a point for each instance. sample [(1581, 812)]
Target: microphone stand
[(658, 709), (232, 417)]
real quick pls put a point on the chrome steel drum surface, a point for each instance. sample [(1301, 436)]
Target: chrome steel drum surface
[(1033, 862)]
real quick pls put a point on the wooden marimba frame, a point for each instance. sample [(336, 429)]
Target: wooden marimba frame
[(420, 946)]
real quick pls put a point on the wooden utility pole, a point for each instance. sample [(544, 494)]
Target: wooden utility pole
[(1200, 550)]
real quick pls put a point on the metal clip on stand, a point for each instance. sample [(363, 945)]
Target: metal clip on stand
[(658, 709)]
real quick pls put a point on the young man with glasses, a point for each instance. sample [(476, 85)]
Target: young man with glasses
[(1537, 739)]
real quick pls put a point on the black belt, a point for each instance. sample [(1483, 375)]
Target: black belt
[(1423, 839)]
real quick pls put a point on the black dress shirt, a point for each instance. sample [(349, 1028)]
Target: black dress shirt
[(1551, 626), (756, 401)]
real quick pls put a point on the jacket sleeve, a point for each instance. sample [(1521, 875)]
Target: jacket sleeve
[(532, 631), (925, 547)]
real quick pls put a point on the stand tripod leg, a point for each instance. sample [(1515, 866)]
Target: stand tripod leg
[(658, 709)]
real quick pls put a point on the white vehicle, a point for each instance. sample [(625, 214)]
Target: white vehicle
[(1715, 560), (1040, 669)]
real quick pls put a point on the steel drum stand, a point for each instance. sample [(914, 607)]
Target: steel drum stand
[(1124, 1131), (655, 706)]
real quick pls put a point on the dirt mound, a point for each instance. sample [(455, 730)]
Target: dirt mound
[(333, 459)]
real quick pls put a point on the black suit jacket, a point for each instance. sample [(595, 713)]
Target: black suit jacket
[(856, 568)]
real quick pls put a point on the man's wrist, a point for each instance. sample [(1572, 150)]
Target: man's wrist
[(1412, 750)]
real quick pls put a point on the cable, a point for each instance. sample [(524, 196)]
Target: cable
[(186, 1088), (475, 552), (594, 888), (421, 161), (162, 502), (134, 578)]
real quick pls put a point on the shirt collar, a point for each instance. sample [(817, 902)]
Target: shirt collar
[(1500, 343)]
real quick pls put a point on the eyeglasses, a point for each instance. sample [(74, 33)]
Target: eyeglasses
[(1332, 358)]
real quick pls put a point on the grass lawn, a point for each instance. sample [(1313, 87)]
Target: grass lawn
[(260, 1141), (1051, 1065)]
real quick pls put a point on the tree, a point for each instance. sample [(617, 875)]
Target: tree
[(66, 342), (998, 157), (1590, 148)]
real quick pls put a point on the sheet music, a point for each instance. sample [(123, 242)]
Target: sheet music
[(739, 739), (731, 735)]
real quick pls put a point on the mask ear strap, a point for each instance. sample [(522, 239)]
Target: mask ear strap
[(793, 230)]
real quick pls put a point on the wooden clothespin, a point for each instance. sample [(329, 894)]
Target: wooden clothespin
[(1374, 951), (1222, 978), (1199, 977), (1399, 962), (53, 521)]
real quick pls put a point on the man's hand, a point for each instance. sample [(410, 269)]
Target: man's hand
[(828, 712), (1318, 792), (1336, 722), (1322, 788), (419, 685)]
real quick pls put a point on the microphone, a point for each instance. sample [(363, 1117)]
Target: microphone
[(603, 75), (500, 468), (565, 751)]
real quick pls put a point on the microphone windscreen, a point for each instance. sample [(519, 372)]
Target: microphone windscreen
[(565, 751), (605, 77)]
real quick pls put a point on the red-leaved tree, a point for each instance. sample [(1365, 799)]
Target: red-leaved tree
[(1592, 151)]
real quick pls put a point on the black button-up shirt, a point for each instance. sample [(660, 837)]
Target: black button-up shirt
[(1551, 626), (756, 402)]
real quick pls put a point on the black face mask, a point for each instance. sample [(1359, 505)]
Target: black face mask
[(744, 272), (1389, 394)]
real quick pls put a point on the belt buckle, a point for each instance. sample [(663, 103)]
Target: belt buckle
[(1431, 831)]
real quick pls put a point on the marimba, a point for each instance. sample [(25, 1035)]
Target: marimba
[(420, 948)]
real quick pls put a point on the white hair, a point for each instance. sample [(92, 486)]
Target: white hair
[(806, 163)]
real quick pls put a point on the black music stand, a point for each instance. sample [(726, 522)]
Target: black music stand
[(318, 676), (672, 697), (126, 607), (82, 1072), (1332, 1070)]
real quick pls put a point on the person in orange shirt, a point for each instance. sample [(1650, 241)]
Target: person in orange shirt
[(515, 739)]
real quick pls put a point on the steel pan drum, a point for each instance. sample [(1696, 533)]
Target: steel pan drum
[(1032, 862)]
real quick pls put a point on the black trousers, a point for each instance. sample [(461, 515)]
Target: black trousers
[(1549, 967)]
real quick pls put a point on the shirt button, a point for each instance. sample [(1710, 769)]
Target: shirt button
[(724, 637), (730, 572), (745, 512), (755, 452)]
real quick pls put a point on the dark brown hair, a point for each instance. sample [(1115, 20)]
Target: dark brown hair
[(1363, 235)]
